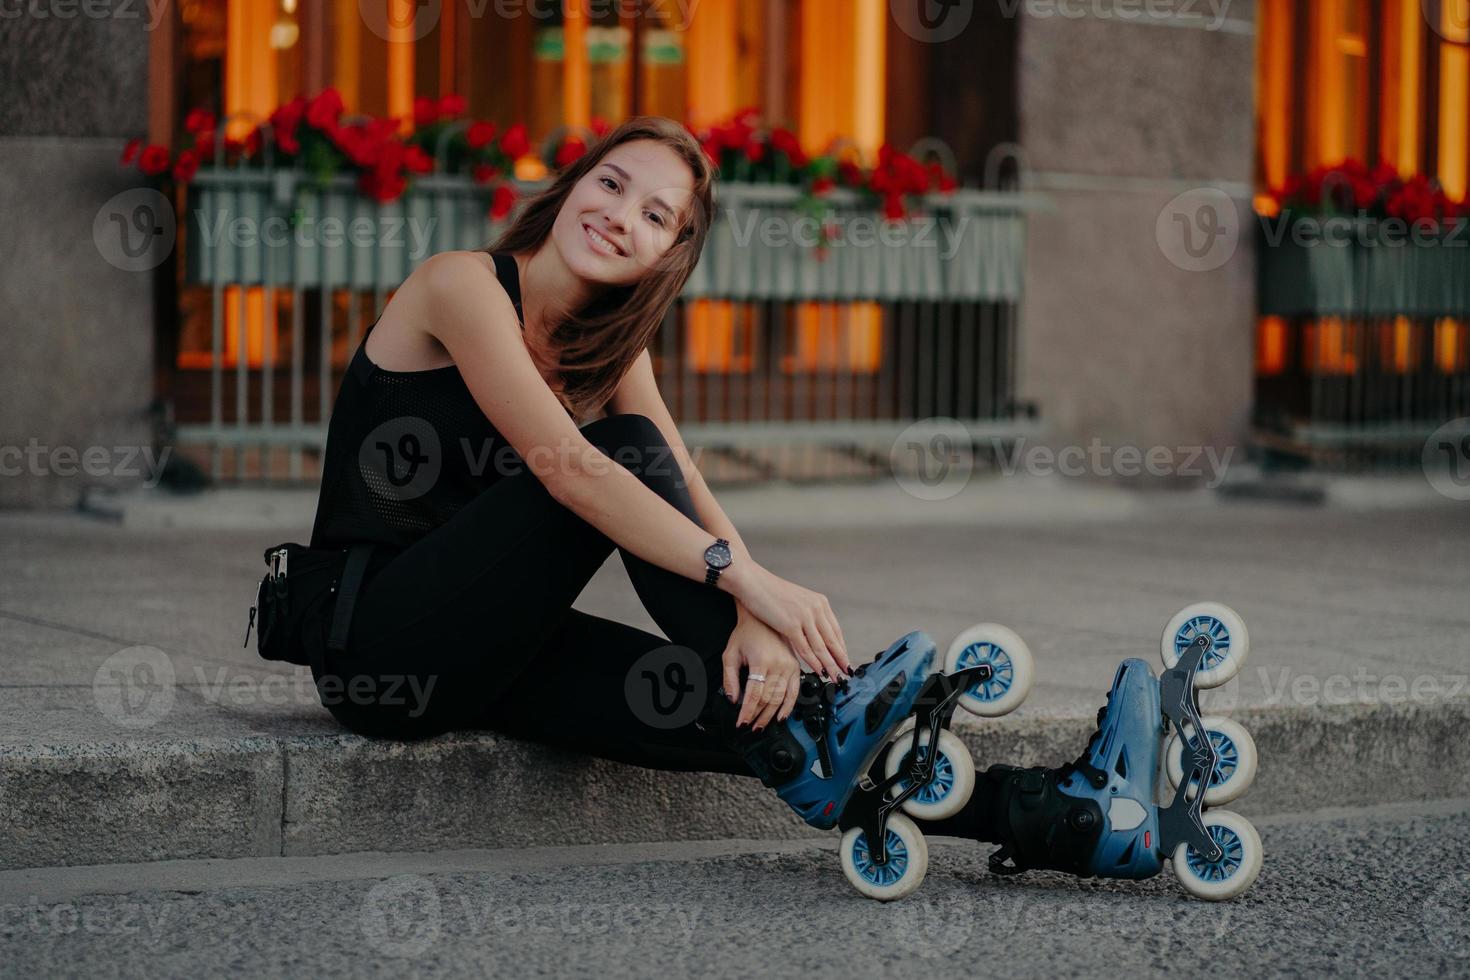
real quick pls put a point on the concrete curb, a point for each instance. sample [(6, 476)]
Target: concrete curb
[(109, 802)]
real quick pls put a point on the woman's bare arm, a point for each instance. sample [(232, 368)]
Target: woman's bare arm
[(469, 312)]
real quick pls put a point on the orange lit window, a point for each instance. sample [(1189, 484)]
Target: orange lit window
[(1270, 345)]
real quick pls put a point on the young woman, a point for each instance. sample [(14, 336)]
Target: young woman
[(455, 448), (499, 433)]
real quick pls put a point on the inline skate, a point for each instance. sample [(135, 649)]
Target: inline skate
[(1099, 815), (823, 760)]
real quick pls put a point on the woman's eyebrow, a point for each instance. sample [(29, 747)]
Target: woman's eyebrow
[(660, 202)]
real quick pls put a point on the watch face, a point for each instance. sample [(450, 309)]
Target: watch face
[(717, 556)]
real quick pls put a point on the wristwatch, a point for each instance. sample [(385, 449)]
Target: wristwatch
[(716, 560)]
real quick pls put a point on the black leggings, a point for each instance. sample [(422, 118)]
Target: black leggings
[(472, 627)]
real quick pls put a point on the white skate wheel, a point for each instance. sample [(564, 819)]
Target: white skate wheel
[(954, 773), (1232, 643), (1235, 769), (1233, 873), (908, 861), (1007, 655)]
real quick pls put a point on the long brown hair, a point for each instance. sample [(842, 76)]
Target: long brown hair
[(594, 346)]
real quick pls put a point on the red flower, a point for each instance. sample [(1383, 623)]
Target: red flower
[(600, 127), (425, 111), (284, 122), (851, 173), (893, 208), (938, 177), (130, 151), (480, 134), (417, 161), (755, 152), (186, 166), (325, 109), (154, 160), (451, 106), (483, 173), (198, 121), (515, 143), (252, 142), (503, 201), (786, 141), (204, 142), (822, 185), (569, 152)]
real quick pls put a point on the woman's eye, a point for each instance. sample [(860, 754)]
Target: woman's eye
[(658, 219), (609, 183)]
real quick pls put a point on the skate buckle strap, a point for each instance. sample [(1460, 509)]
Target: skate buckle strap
[(1000, 856)]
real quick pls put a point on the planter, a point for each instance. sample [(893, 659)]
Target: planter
[(272, 228), (1363, 268)]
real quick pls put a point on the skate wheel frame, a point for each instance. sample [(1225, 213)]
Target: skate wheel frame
[(1009, 659), (905, 860), (953, 779), (870, 819), (1235, 768), (1233, 871)]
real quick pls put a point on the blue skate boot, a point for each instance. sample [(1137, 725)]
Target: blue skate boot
[(821, 759), (1098, 816)]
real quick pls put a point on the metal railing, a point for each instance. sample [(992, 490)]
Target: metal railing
[(774, 344), (1367, 345)]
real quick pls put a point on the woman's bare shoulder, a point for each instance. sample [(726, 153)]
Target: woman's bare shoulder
[(445, 288)]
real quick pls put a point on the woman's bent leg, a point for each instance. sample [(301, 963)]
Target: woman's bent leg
[(452, 624)]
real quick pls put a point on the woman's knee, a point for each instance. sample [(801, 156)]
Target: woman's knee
[(636, 442)]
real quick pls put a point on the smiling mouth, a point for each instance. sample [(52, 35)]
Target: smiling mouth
[(600, 243)]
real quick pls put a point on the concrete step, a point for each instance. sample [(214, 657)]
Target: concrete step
[(223, 796)]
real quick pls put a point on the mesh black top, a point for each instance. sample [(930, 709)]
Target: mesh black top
[(406, 449)]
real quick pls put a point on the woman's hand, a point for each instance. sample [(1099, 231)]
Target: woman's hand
[(775, 674), (802, 616)]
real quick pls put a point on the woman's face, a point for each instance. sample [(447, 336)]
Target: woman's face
[(624, 214)]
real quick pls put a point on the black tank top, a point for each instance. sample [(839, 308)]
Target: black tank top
[(406, 449)]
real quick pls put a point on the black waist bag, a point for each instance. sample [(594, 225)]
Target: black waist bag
[(303, 604)]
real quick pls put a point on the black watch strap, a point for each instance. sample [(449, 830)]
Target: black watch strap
[(711, 573)]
